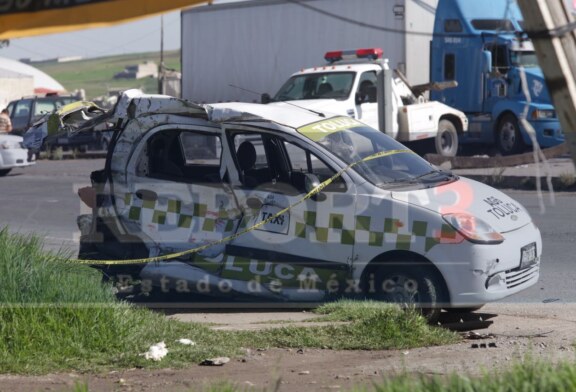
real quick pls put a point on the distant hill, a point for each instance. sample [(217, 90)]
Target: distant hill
[(95, 75)]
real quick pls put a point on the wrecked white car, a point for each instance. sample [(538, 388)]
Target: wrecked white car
[(245, 200), (12, 153)]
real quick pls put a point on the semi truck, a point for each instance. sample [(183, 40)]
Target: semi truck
[(360, 84), (481, 45), (237, 51)]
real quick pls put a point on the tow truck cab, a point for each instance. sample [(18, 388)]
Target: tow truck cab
[(360, 84)]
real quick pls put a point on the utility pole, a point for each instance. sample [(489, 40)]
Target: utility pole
[(161, 66), (550, 25)]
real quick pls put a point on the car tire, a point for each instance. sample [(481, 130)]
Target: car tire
[(4, 172), (446, 141), (410, 285), (508, 137)]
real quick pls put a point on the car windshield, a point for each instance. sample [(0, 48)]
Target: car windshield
[(526, 58), (49, 104), (333, 85), (357, 143)]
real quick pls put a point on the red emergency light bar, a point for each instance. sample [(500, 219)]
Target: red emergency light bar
[(370, 53)]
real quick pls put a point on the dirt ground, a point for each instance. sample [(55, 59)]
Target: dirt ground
[(543, 331)]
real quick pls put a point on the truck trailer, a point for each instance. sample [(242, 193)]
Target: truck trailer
[(237, 51)]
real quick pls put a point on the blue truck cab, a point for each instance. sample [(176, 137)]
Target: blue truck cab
[(480, 44)]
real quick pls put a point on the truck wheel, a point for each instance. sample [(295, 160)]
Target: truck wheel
[(446, 139), (410, 286), (508, 138)]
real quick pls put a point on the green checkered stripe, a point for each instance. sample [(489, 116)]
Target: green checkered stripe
[(378, 232), (177, 214), (333, 228)]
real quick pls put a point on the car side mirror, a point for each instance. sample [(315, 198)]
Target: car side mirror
[(310, 183), (265, 98), (358, 99), (487, 61)]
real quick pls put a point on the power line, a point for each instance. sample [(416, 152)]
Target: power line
[(558, 31), (357, 22)]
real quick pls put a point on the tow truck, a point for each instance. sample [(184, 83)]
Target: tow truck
[(360, 84)]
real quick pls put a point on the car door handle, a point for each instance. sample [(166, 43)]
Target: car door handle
[(145, 194)]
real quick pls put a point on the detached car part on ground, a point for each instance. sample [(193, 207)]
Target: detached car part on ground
[(12, 153), (367, 218)]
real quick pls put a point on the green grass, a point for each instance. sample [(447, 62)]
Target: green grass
[(95, 75), (56, 315), (525, 376), (372, 326)]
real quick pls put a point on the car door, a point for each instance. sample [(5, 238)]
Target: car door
[(178, 199), (366, 99), (303, 253)]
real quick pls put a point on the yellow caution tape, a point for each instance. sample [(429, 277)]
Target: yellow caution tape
[(176, 255)]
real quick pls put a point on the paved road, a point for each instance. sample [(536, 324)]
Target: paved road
[(557, 224), (43, 200)]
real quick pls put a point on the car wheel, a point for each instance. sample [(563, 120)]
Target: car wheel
[(3, 172), (446, 141), (509, 138), (410, 285)]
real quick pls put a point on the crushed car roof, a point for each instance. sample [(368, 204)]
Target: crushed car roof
[(289, 115)]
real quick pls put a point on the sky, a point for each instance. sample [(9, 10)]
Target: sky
[(132, 37)]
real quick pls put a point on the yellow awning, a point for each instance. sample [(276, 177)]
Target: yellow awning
[(25, 18)]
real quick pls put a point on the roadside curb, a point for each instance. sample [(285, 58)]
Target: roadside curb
[(460, 162), (523, 182)]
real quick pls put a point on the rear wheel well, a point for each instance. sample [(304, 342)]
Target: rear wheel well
[(454, 120), (403, 257), (499, 119)]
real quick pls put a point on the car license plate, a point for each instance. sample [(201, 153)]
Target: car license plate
[(528, 257), (62, 140)]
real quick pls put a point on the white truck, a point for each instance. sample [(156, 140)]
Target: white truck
[(360, 84)]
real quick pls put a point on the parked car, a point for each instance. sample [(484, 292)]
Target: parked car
[(242, 200), (26, 111), (12, 153)]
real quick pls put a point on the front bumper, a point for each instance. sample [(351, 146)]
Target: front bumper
[(477, 274), (548, 133)]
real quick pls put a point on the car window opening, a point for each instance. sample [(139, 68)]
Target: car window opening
[(270, 163), (184, 156)]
